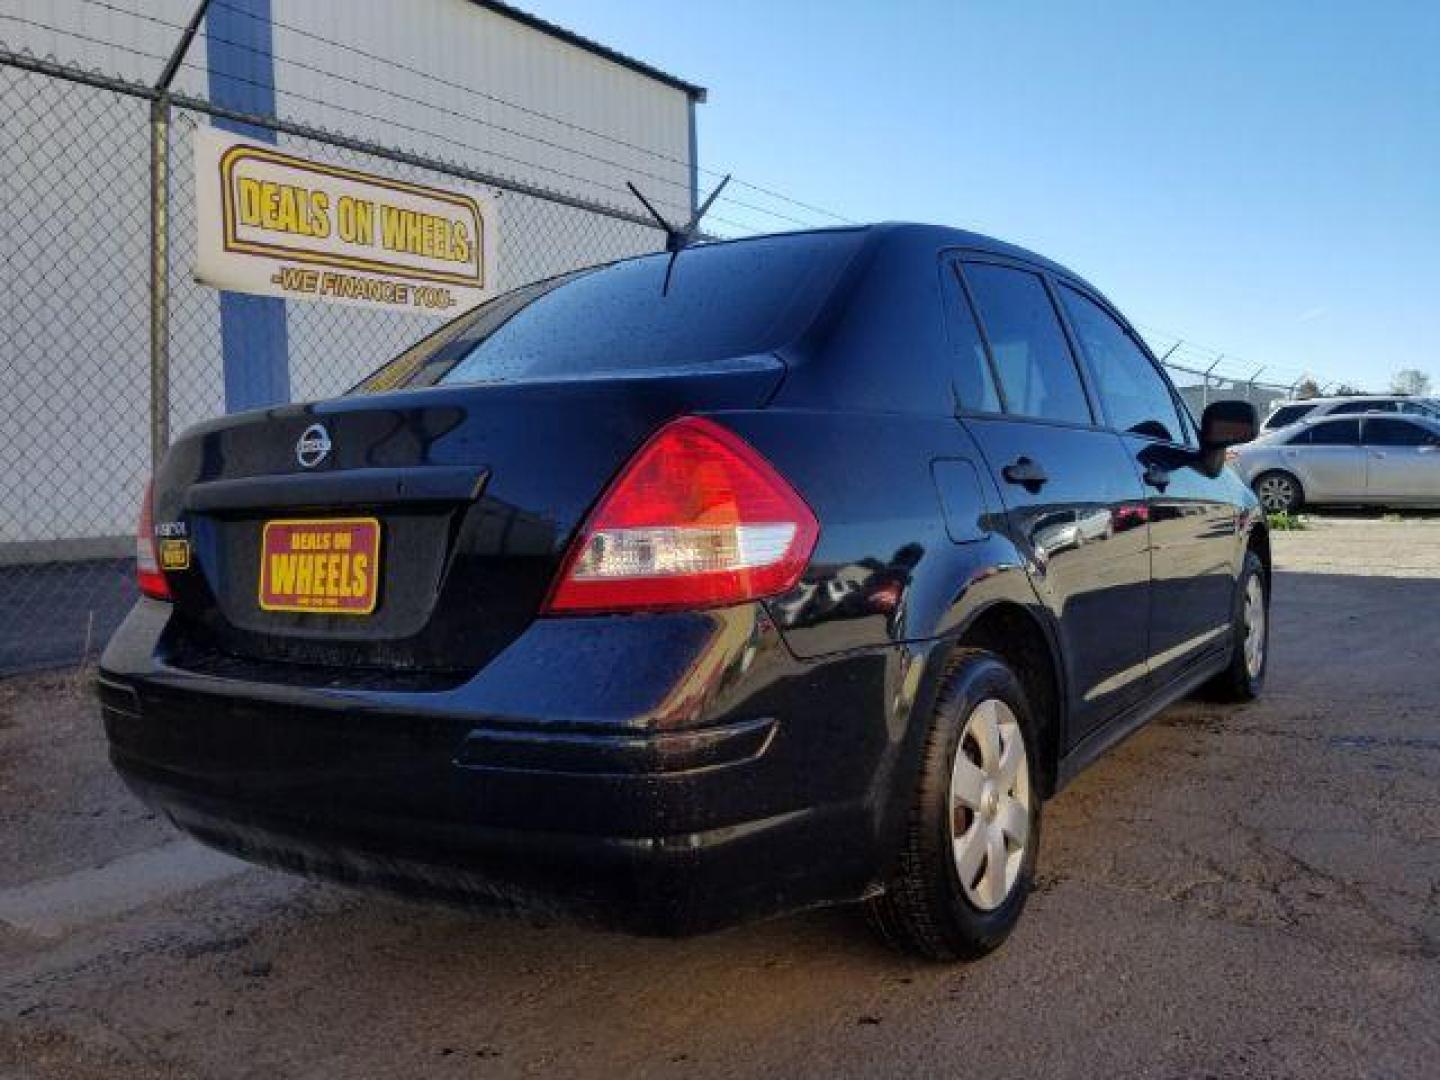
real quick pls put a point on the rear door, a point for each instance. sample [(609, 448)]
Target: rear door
[(1402, 460), (1193, 519), (1074, 504), (1329, 460)]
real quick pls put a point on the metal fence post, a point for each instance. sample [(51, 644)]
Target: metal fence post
[(159, 278), (1205, 392), (1250, 386), (160, 242)]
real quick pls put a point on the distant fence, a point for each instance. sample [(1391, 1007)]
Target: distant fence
[(1200, 388)]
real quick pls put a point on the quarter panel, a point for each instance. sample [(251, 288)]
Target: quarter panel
[(885, 568)]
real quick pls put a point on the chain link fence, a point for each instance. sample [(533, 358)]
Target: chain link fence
[(74, 432), (76, 365)]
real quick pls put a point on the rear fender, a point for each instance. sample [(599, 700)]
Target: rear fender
[(895, 562), (918, 673)]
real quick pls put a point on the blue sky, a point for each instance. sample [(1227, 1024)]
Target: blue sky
[(1261, 178)]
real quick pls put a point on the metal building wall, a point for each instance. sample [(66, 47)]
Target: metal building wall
[(359, 84), (462, 43), (429, 76)]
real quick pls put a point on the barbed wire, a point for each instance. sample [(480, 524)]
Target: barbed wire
[(1184, 354), (540, 114), (387, 121), (468, 118)]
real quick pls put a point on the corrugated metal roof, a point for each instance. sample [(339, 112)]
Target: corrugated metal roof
[(698, 93)]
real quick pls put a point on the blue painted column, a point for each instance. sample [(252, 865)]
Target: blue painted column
[(239, 53)]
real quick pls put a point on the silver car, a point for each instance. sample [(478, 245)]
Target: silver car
[(1373, 459)]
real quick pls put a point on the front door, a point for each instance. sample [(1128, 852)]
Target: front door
[(1193, 520), (1074, 506), (1402, 461)]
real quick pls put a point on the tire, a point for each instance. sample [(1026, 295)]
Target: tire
[(1244, 678), (925, 908), (1278, 492)]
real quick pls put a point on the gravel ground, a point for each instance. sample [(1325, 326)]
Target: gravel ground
[(1235, 891)]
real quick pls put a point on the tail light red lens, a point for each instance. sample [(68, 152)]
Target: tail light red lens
[(148, 574), (697, 519)]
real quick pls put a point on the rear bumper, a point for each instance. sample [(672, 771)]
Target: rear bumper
[(670, 885), (743, 783)]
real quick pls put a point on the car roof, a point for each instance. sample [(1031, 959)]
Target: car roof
[(1340, 399), (890, 286), (943, 236), (1374, 414), (938, 236)]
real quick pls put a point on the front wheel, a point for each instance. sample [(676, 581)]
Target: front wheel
[(969, 853), (1244, 678)]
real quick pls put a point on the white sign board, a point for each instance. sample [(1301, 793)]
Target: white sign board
[(274, 224)]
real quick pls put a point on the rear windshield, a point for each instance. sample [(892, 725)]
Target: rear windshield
[(722, 301)]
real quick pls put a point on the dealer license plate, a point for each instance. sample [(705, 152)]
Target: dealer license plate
[(327, 566)]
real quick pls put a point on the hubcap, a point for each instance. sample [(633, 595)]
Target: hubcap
[(1275, 494), (989, 804), (1254, 626)]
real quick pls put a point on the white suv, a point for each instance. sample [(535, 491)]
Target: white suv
[(1288, 412)]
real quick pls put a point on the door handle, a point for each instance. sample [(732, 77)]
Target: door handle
[(1025, 472), (1156, 477)]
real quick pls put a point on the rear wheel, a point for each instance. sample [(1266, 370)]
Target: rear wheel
[(969, 853), (1278, 492)]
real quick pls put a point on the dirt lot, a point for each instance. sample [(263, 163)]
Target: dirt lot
[(1237, 892)]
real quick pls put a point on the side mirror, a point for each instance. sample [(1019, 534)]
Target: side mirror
[(1222, 425)]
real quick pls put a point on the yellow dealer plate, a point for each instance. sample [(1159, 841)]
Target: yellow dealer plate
[(325, 566)]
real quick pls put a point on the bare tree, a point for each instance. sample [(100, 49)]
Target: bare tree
[(1306, 388), (1410, 381)]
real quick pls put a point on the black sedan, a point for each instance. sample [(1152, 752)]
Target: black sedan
[(687, 590)]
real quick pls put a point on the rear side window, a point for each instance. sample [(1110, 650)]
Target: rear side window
[(1398, 433), (1136, 397), (1032, 360), (973, 380), (1334, 433), (1288, 414), (721, 301)]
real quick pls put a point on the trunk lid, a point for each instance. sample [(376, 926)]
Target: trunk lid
[(476, 491)]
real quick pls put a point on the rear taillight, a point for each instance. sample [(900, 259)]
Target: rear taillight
[(148, 574), (697, 519)]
